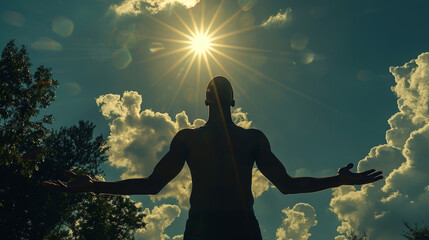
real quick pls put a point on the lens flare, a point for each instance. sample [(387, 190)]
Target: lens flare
[(204, 46)]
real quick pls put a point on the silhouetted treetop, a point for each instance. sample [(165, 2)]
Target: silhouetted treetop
[(30, 152)]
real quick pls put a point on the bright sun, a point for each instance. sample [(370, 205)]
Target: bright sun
[(202, 46), (201, 43)]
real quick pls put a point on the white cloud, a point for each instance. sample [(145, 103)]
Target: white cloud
[(139, 138), (178, 237), (157, 221), (403, 159), (179, 189), (279, 20), (240, 118), (297, 222), (135, 7), (260, 183)]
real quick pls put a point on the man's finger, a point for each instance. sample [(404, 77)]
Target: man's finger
[(368, 172), (378, 178), (69, 174), (375, 174), (371, 180)]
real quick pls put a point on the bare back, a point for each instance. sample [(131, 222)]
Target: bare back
[(221, 168)]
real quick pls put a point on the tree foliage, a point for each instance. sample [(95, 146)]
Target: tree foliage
[(353, 236), (416, 232), (86, 216), (22, 96), (413, 233), (30, 153)]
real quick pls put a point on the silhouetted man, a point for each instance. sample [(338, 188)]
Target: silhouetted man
[(220, 156)]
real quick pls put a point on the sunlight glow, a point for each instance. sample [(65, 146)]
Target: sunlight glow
[(202, 47), (201, 43)]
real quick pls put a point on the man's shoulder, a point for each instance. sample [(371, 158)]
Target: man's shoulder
[(185, 133), (254, 132), (183, 136)]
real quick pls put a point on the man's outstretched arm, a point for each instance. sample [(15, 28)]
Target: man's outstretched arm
[(274, 170), (166, 169)]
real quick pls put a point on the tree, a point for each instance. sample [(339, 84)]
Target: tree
[(353, 236), (31, 153), (416, 232), (22, 96), (86, 216)]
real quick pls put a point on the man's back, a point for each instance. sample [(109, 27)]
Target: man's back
[(221, 161)]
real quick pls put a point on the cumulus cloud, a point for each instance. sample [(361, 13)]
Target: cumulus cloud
[(260, 183), (279, 20), (240, 118), (139, 138), (178, 237), (297, 222), (135, 7), (403, 194), (157, 221)]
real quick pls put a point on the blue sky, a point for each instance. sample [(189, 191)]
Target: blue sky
[(315, 79)]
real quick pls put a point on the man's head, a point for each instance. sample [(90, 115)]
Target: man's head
[(219, 90)]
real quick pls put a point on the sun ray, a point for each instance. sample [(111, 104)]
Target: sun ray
[(197, 89), (214, 18), (239, 47), (194, 23), (167, 39), (167, 53), (247, 53), (203, 6), (173, 67), (245, 72), (230, 76), (241, 64), (172, 28), (284, 86), (224, 23), (202, 43), (185, 25), (233, 33), (240, 88), (261, 74), (208, 65), (182, 81)]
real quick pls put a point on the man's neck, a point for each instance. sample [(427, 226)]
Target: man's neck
[(219, 115)]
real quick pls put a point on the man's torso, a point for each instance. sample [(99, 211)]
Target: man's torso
[(221, 161)]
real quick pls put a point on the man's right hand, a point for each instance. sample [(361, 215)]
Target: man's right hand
[(78, 183), (350, 178)]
